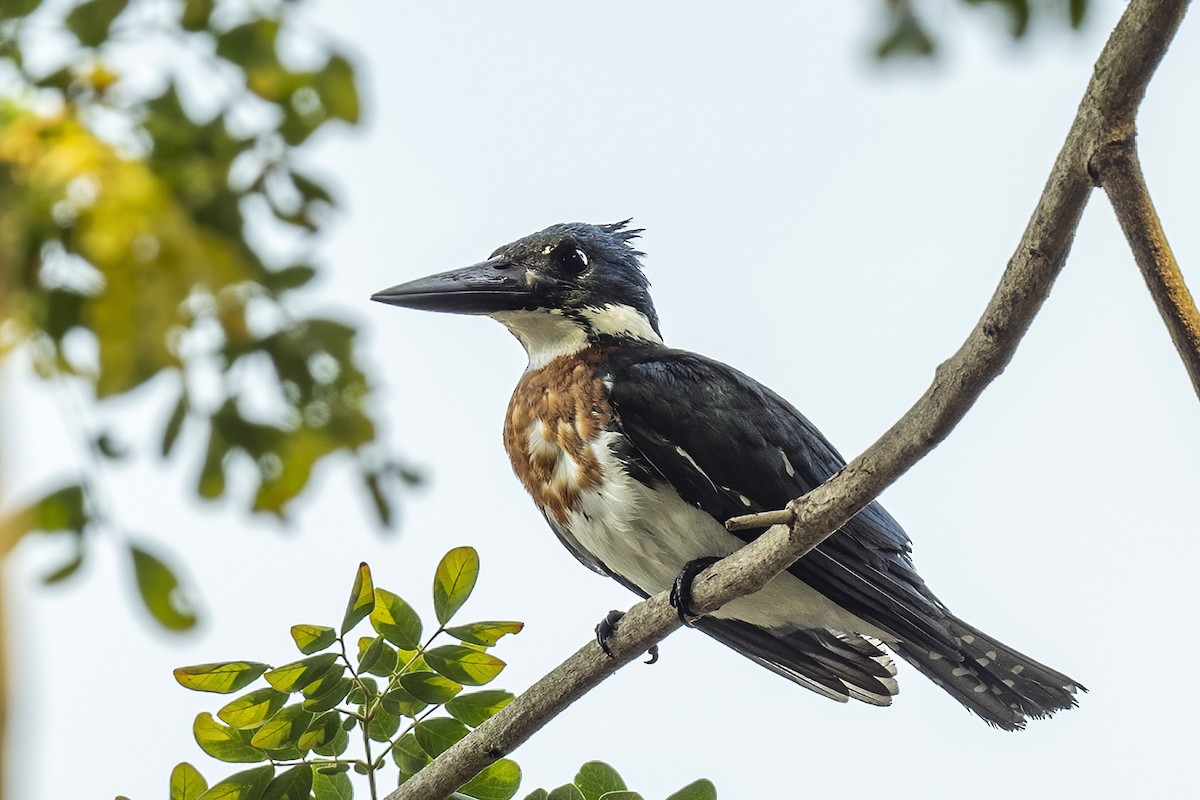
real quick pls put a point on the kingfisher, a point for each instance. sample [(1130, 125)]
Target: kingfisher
[(637, 453)]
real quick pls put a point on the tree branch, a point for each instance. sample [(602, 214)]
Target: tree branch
[(1118, 171), (1118, 84)]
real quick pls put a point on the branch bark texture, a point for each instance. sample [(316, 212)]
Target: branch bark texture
[(1106, 114), (1119, 172)]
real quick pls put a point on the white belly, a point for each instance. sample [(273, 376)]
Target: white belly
[(646, 536)]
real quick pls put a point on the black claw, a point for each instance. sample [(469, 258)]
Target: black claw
[(606, 628), (681, 590), (653, 653)]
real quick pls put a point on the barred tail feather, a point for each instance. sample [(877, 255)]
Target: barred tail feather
[(837, 666), (1003, 686)]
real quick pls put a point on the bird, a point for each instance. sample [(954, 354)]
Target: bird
[(637, 453)]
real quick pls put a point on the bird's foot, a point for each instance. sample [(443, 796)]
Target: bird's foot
[(681, 590), (608, 626)]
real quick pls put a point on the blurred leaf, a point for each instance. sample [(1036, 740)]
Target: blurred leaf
[(298, 674), (293, 784), (362, 598), (67, 569), (702, 789), (246, 785), (19, 8), (161, 592), (90, 20), (334, 786), (60, 510), (454, 581), (221, 677), (906, 38), (335, 86), (310, 190), (463, 664), (499, 781), (475, 707), (485, 633), (1078, 12), (313, 638), (395, 620), (186, 782), (438, 734), (109, 448), (383, 506), (223, 742), (289, 278), (252, 709), (174, 425), (284, 729), (595, 779), (429, 687), (250, 45), (196, 14)]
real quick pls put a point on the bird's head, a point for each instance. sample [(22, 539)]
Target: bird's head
[(557, 290)]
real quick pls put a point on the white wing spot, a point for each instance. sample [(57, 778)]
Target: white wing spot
[(1009, 682), (745, 500), (1017, 670), (968, 639), (787, 465), (935, 655), (685, 454), (991, 654), (980, 689), (958, 672), (983, 662)]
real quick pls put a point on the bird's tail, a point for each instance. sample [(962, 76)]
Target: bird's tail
[(1001, 685)]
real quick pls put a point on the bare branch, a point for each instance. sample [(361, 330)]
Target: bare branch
[(1119, 172), (1117, 86)]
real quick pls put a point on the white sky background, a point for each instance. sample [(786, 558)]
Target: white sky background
[(829, 227)]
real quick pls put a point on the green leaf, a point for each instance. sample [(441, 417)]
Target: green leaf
[(463, 664), (362, 598), (313, 638), (333, 693), (566, 792), (409, 756), (335, 86), (499, 781), (60, 510), (294, 784), (161, 592), (284, 729), (90, 20), (438, 734), (66, 570), (702, 789), (475, 707), (196, 14), (298, 674), (289, 278), (907, 38), (429, 687), (224, 743), (383, 726), (174, 425), (19, 8), (485, 633), (335, 746), (399, 702), (221, 677), (365, 688), (453, 582), (595, 779), (394, 620), (321, 731), (1078, 11), (538, 794), (246, 785), (376, 656), (252, 709), (186, 782), (335, 786)]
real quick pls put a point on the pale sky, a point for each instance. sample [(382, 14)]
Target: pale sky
[(832, 229)]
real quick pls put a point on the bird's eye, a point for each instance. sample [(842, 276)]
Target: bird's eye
[(570, 258)]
